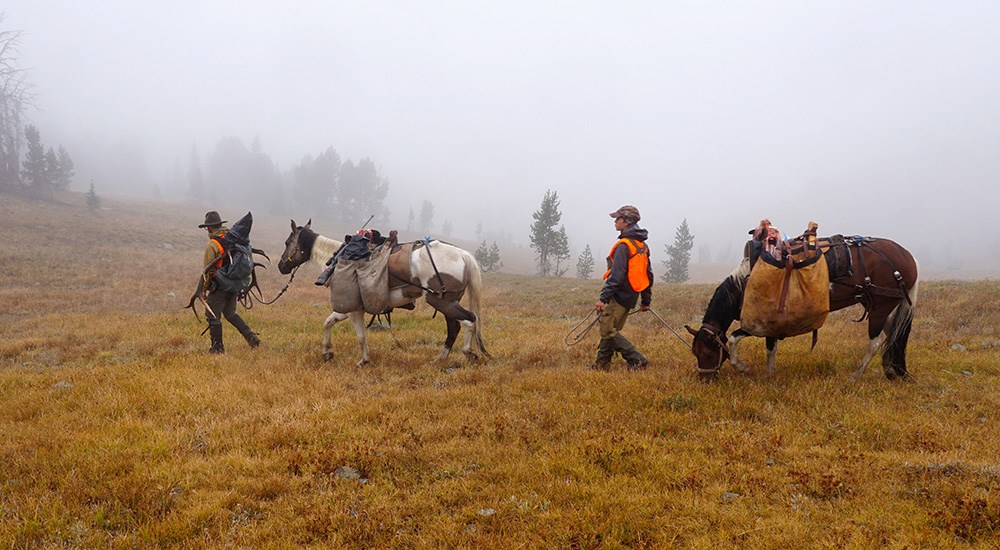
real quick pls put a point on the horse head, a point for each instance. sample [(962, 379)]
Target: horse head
[(298, 247), (709, 348)]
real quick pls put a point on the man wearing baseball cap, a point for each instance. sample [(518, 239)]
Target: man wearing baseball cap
[(629, 277)]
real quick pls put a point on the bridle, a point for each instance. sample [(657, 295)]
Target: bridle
[(715, 335)]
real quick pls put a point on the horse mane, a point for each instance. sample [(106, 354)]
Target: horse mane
[(320, 248), (726, 303)]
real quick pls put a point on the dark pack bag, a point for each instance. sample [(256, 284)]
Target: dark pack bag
[(236, 272)]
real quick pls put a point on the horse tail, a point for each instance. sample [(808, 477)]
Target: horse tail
[(474, 275), (897, 331)]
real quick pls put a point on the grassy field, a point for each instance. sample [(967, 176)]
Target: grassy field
[(117, 429)]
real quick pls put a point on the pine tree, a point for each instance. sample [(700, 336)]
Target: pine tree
[(560, 251), (52, 168), (494, 257), (33, 168), (426, 217), (679, 255), (195, 178), (488, 257), (585, 263), (64, 173), (543, 234), (93, 201)]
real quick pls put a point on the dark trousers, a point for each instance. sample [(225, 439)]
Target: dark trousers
[(224, 305)]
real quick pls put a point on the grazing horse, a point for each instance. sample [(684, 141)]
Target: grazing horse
[(439, 271), (877, 273)]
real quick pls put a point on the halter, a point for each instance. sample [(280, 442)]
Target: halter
[(714, 333)]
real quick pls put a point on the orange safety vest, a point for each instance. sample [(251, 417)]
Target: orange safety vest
[(638, 263), (218, 244)]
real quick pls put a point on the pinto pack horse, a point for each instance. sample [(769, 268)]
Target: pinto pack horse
[(438, 271), (877, 273)]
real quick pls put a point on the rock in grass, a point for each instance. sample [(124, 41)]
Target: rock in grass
[(346, 472)]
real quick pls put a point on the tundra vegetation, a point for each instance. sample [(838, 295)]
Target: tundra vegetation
[(118, 429)]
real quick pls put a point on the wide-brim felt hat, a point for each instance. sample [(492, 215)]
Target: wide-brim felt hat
[(212, 218)]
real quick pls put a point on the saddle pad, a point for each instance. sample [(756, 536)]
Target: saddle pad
[(786, 301)]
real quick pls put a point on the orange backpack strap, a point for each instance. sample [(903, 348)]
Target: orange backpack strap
[(222, 250)]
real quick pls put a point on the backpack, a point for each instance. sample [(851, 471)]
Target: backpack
[(236, 273)]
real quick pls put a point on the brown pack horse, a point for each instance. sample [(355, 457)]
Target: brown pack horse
[(439, 271), (877, 273)]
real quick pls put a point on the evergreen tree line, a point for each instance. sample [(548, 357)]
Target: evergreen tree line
[(44, 170), (318, 186), (551, 246)]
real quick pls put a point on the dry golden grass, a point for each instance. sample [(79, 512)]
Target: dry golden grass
[(118, 429)]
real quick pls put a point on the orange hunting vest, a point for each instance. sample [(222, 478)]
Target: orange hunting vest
[(638, 263)]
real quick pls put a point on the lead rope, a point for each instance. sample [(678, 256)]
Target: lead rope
[(289, 283), (575, 334), (657, 315), (572, 339)]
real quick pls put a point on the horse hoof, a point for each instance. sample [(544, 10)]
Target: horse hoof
[(741, 367), (362, 363), (471, 356), (328, 356)]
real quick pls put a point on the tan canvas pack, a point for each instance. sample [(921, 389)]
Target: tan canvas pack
[(362, 284), (789, 297)]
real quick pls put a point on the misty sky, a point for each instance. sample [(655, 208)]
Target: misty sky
[(869, 117)]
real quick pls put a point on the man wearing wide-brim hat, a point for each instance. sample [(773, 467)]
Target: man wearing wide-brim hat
[(629, 277), (220, 302)]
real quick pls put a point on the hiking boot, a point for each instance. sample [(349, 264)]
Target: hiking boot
[(253, 340), (215, 333), (638, 365), (605, 351)]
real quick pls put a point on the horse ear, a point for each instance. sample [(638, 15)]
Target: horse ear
[(691, 330), (293, 225), (309, 223)]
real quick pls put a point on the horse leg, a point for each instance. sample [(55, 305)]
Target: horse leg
[(453, 328), (358, 320), (873, 345), (456, 317), (894, 354), (897, 334), (733, 345), (333, 319), (876, 321), (772, 353)]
